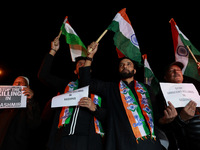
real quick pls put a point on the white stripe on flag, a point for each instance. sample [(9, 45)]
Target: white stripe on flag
[(146, 64), (69, 29), (75, 53), (179, 31), (179, 58), (125, 28)]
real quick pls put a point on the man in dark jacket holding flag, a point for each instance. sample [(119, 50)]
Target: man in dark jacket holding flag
[(130, 121), (75, 127)]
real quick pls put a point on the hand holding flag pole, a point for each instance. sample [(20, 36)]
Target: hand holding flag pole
[(97, 41), (57, 38)]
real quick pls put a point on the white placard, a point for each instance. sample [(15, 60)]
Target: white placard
[(70, 98), (180, 94), (12, 97)]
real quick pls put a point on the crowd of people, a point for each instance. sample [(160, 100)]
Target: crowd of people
[(115, 115)]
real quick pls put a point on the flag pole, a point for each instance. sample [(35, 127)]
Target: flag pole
[(59, 34), (101, 36), (146, 80), (192, 54)]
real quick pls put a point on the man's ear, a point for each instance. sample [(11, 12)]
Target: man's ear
[(134, 71)]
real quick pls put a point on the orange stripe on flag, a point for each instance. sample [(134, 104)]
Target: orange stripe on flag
[(175, 33), (144, 56), (119, 53), (124, 15), (76, 47)]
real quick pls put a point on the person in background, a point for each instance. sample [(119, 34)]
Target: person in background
[(75, 127), (182, 125), (18, 124)]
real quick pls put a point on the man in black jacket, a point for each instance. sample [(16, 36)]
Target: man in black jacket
[(182, 123), (130, 121), (74, 128), (18, 124)]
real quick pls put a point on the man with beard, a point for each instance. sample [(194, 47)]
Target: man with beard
[(130, 120), (183, 124)]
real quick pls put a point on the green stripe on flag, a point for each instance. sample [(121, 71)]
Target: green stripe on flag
[(148, 73), (72, 38), (124, 44), (191, 68)]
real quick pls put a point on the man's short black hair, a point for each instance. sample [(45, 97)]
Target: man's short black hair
[(134, 62)]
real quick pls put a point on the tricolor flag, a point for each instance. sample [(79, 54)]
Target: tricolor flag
[(77, 48), (182, 54), (125, 39), (149, 77)]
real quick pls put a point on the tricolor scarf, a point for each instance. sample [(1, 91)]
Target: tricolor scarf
[(66, 112), (140, 115)]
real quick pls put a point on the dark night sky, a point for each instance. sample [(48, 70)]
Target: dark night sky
[(27, 30)]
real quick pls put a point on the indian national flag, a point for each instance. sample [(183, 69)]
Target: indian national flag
[(182, 54), (77, 48), (149, 77), (125, 39)]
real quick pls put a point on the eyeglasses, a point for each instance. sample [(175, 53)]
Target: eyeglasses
[(174, 70)]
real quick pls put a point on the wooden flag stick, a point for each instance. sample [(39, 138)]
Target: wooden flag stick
[(97, 41), (146, 80), (59, 34), (101, 36), (192, 54)]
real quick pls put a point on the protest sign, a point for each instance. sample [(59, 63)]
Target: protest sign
[(12, 97), (180, 94), (70, 98)]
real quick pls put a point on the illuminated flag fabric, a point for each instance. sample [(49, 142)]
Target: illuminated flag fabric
[(149, 76), (77, 48), (125, 39), (182, 54)]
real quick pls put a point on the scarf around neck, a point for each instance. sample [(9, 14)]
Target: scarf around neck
[(66, 112), (140, 115)]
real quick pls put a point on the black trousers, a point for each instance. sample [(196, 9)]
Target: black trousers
[(79, 142)]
